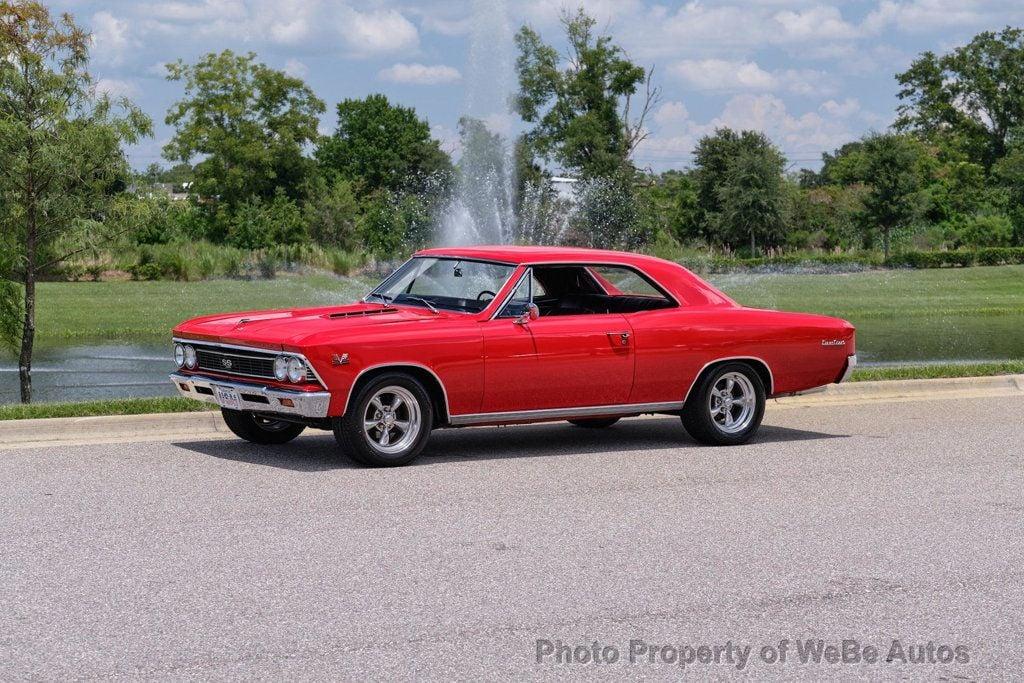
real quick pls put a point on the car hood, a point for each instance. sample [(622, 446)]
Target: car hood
[(292, 328)]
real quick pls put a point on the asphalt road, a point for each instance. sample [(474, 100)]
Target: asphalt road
[(217, 559)]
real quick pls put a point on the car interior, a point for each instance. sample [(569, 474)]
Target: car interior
[(580, 290)]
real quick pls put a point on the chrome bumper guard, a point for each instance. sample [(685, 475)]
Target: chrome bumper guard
[(255, 397), (851, 363)]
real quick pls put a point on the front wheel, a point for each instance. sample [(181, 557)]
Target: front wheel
[(388, 423), (262, 430), (726, 407)]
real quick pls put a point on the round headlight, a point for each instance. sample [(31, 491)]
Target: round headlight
[(296, 369), (281, 368), (179, 355), (190, 357)]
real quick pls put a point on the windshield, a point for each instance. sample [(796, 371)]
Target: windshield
[(443, 283)]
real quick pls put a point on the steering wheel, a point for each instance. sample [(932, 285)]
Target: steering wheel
[(486, 291)]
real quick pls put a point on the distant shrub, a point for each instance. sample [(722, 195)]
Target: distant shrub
[(345, 263), (987, 231)]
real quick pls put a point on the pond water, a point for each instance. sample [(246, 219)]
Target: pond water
[(85, 373), (88, 372)]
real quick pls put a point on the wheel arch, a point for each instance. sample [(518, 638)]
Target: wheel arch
[(431, 382), (759, 365)]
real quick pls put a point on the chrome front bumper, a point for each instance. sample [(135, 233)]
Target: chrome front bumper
[(255, 397), (851, 363)]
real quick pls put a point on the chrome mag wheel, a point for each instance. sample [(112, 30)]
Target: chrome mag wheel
[(393, 420), (731, 402)]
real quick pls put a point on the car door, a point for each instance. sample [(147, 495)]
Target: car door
[(554, 362)]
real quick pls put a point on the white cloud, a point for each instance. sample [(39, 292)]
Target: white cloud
[(842, 110), (111, 37), (114, 88), (378, 31), (420, 74), (671, 113), (925, 15), (801, 136), (816, 23), (725, 75), (194, 12), (294, 67)]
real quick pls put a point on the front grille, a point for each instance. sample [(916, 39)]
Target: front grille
[(239, 362)]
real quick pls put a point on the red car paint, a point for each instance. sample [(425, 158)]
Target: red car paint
[(495, 365)]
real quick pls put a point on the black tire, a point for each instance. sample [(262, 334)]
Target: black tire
[(365, 450), (594, 422), (704, 415), (260, 430)]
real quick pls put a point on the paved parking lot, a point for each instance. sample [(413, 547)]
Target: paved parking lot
[(218, 559)]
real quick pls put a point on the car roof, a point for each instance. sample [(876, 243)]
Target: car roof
[(517, 255), (687, 288)]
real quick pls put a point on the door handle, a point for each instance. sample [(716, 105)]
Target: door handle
[(622, 337)]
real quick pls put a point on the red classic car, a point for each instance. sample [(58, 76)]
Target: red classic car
[(502, 335)]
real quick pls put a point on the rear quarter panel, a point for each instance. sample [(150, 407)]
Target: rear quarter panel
[(673, 346)]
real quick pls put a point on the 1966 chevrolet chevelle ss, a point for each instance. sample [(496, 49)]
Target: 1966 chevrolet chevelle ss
[(502, 335)]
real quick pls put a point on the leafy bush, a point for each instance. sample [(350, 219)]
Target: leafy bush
[(987, 231), (260, 225), (997, 256)]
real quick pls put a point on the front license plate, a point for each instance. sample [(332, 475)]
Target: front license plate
[(227, 398)]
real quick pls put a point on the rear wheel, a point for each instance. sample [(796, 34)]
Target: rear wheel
[(388, 423), (726, 407), (262, 430), (594, 422)]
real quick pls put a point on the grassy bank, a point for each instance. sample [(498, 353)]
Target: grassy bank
[(139, 406), (970, 314), (72, 312), (128, 406)]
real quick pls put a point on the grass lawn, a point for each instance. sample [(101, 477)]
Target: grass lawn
[(906, 315), (73, 312)]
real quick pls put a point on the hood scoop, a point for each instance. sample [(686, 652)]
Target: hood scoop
[(358, 314)]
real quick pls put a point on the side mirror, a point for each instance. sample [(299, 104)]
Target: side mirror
[(531, 313)]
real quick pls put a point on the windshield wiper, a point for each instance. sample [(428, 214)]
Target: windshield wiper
[(383, 297), (429, 305)]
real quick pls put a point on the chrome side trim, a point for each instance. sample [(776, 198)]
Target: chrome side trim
[(563, 413), (306, 403), (278, 352), (851, 363), (398, 365), (771, 375)]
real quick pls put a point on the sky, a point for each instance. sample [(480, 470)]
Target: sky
[(812, 75)]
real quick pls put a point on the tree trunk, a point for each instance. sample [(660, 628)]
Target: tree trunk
[(28, 333), (753, 247), (885, 241)]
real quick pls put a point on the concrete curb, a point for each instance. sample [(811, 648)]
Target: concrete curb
[(208, 425)]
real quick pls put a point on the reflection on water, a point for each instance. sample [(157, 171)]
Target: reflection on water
[(84, 373)]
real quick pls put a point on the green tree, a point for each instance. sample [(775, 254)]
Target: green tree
[(331, 212), (581, 104), (673, 198), (61, 151), (725, 162), (751, 196), (382, 146), (250, 123), (1008, 174), (974, 94), (893, 172)]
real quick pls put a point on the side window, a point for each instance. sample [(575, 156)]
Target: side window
[(522, 297), (624, 282)]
